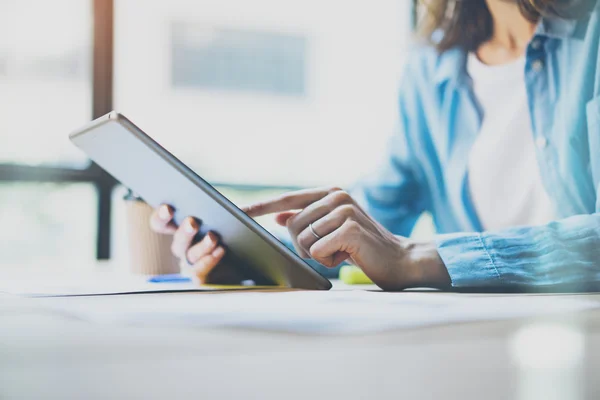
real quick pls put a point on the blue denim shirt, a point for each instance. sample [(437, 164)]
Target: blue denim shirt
[(426, 167)]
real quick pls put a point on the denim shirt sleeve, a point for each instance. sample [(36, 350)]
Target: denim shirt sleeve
[(395, 194), (561, 252)]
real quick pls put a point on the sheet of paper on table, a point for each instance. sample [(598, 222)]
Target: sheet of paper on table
[(94, 286), (333, 312)]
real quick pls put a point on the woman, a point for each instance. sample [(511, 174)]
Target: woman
[(499, 138)]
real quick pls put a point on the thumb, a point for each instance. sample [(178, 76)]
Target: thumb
[(282, 218)]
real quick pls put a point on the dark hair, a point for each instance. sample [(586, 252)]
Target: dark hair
[(468, 23)]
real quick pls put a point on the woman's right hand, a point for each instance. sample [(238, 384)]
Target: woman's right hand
[(203, 256)]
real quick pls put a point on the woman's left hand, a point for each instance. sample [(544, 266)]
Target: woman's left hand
[(328, 226)]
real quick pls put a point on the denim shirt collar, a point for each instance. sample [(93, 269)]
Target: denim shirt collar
[(452, 63), (557, 28), (451, 66)]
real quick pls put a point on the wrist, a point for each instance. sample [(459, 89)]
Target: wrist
[(425, 267)]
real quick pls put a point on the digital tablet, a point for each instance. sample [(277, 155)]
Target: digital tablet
[(141, 164)]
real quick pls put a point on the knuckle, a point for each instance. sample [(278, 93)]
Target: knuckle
[(315, 253), (351, 226), (341, 197), (346, 210), (334, 189), (303, 241), (293, 231), (290, 223), (293, 226), (297, 245)]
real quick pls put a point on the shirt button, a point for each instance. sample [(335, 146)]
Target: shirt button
[(537, 65), (541, 142), (536, 44)]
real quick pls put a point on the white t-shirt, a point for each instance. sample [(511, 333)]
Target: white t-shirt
[(504, 176)]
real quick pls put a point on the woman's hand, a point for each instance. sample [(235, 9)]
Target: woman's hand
[(203, 256), (328, 225)]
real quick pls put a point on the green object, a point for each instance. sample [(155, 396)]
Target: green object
[(352, 275)]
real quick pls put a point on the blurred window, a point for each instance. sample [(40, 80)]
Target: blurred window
[(45, 92), (244, 60), (264, 93), (45, 72)]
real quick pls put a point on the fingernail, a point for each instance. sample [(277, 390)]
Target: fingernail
[(218, 252), (164, 213), (190, 226), (211, 238)]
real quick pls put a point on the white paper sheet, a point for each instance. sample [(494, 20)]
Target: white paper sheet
[(333, 312), (77, 286)]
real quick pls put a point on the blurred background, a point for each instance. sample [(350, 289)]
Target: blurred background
[(258, 97)]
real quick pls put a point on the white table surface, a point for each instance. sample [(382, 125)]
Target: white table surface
[(46, 354)]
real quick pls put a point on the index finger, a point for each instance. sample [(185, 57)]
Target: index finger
[(287, 202)]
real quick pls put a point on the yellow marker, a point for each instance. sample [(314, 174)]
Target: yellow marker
[(353, 275)]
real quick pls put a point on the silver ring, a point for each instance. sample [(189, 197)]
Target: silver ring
[(313, 231)]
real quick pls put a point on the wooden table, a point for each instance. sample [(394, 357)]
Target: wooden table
[(45, 354)]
